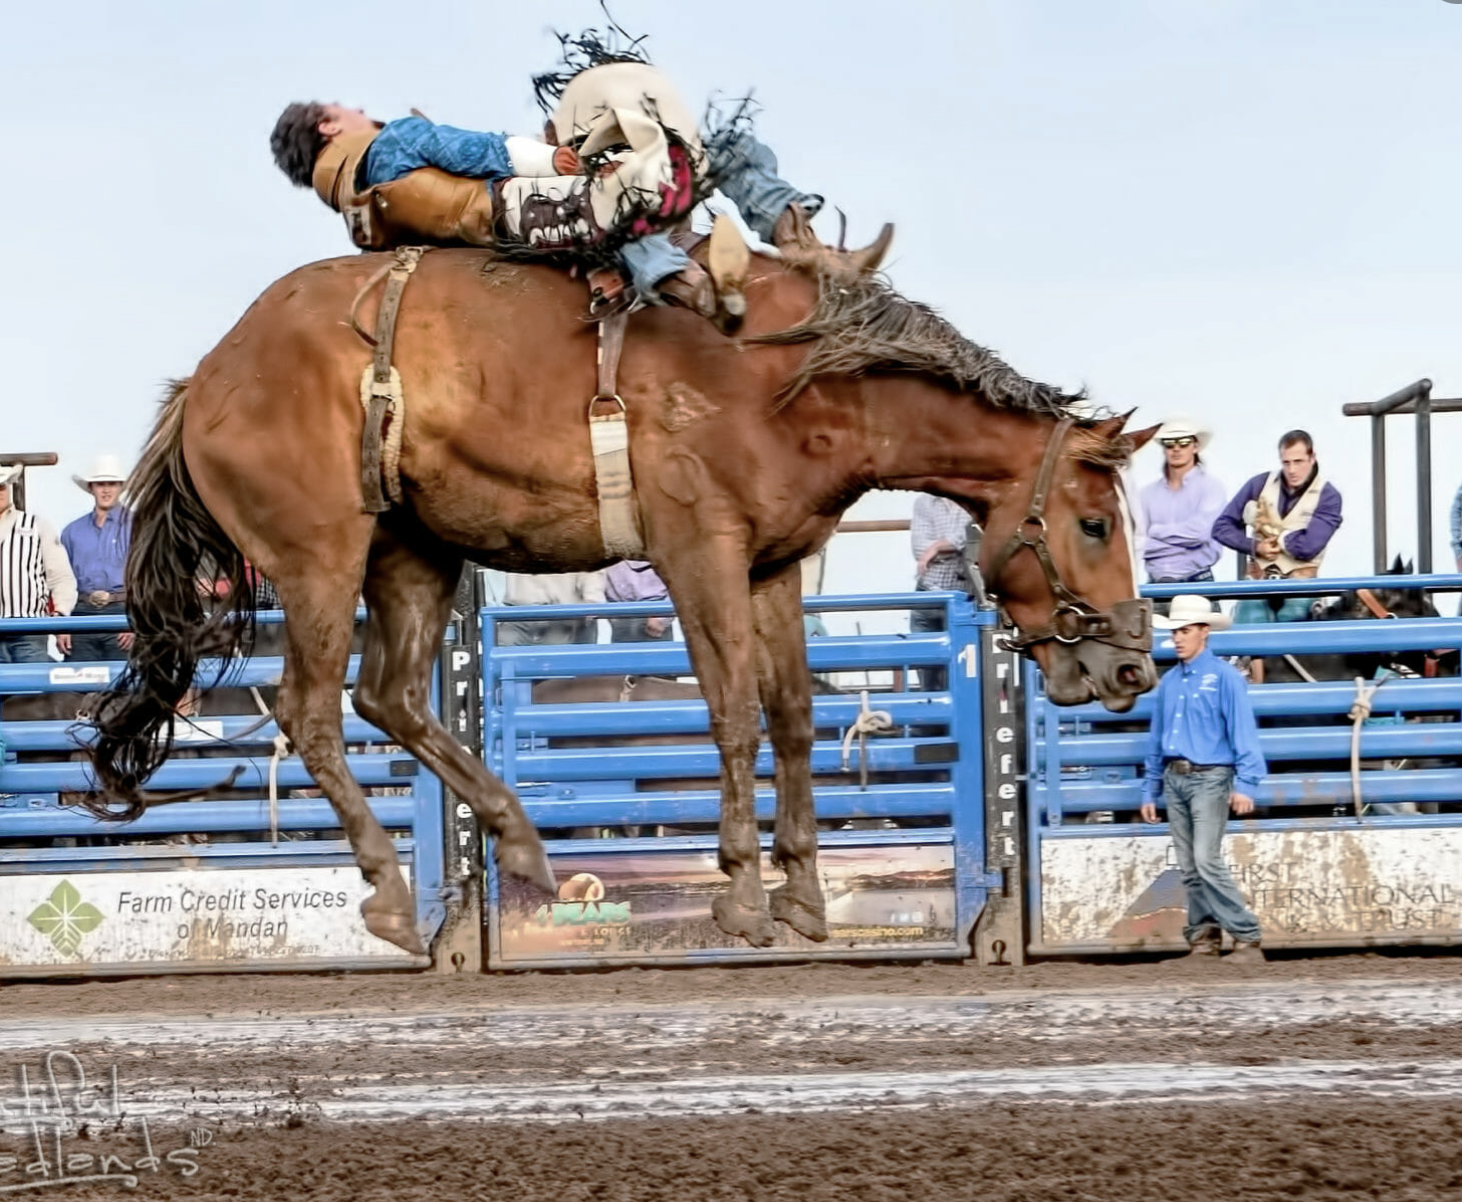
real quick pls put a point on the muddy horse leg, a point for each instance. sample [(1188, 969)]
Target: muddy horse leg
[(320, 613), (409, 585), (714, 606), (786, 698)]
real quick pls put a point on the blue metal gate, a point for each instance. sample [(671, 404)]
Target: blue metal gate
[(902, 853), (201, 885), (1314, 872)]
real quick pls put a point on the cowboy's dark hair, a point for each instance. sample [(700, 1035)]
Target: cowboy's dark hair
[(1295, 436), (297, 140)]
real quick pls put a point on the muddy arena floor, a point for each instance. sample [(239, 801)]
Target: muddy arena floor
[(1310, 1077)]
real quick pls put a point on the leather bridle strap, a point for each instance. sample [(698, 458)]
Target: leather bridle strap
[(1128, 624), (1369, 600), (1035, 519)]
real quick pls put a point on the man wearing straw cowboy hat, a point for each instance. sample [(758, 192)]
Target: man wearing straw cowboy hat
[(97, 543), (1178, 510), (34, 574), (1203, 759)]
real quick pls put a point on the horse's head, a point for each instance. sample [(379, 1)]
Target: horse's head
[(1060, 558)]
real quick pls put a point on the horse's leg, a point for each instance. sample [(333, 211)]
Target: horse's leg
[(713, 604), (409, 585), (786, 698), (320, 612)]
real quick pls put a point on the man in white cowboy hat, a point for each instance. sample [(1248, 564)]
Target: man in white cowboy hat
[(1178, 510), (1203, 759), (97, 544), (34, 574)]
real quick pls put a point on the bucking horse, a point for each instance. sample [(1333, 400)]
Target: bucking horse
[(744, 453)]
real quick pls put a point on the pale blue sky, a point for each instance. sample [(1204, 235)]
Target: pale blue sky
[(1244, 209)]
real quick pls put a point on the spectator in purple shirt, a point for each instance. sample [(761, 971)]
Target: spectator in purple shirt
[(1178, 510), (1283, 521), (636, 580)]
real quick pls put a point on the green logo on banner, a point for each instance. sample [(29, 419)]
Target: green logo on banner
[(65, 918)]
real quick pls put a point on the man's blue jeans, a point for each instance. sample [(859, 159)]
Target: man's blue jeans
[(1165, 604), (746, 173), (1254, 611), (1198, 806), (24, 649)]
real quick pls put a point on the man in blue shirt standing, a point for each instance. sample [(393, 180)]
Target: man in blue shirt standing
[(97, 546), (1203, 759)]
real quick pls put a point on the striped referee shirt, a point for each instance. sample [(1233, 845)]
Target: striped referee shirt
[(33, 567)]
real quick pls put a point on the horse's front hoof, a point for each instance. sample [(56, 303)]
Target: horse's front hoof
[(808, 921), (525, 858), (755, 926), (393, 926)]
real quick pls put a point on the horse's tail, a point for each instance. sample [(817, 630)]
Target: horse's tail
[(176, 547)]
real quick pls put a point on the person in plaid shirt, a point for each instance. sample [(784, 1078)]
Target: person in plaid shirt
[(937, 532)]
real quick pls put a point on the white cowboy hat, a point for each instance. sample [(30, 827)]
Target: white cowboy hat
[(105, 469), (1192, 610), (1182, 426), (10, 472)]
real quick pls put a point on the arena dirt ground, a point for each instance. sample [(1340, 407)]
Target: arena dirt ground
[(1326, 1076), (350, 991)]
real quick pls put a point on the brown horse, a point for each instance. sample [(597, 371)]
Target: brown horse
[(745, 452)]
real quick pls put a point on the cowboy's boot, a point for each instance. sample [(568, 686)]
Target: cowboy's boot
[(728, 258), (691, 288), (793, 236)]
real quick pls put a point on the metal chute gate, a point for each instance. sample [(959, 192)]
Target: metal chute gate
[(209, 885), (1315, 872), (903, 844)]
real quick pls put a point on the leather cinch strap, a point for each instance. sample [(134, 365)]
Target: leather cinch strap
[(380, 387), (609, 438)]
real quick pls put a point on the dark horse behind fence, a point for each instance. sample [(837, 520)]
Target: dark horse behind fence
[(744, 451), (1383, 601)]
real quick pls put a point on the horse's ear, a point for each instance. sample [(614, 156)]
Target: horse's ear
[(1397, 569), (1109, 427), (1409, 568), (1140, 438)]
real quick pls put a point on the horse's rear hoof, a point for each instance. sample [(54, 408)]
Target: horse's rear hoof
[(808, 922), (526, 859), (755, 926), (393, 927)]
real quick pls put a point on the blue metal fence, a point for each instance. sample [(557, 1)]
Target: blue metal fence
[(920, 811), (42, 835), (1085, 787)]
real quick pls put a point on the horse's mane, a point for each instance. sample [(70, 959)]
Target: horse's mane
[(864, 325)]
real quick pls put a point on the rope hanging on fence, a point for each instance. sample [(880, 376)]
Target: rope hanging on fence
[(869, 721), (1360, 710), (281, 751)]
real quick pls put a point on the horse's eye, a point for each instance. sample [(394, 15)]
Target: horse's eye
[(1094, 527)]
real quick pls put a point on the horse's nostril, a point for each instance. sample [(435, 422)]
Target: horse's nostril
[(1130, 675)]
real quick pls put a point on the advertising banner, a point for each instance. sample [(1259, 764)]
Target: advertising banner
[(78, 922), (1318, 886), (656, 905)]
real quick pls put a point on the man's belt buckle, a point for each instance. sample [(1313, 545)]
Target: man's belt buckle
[(1188, 767), (102, 597)]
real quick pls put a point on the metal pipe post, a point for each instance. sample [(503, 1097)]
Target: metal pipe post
[(1424, 480), (1378, 492)]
